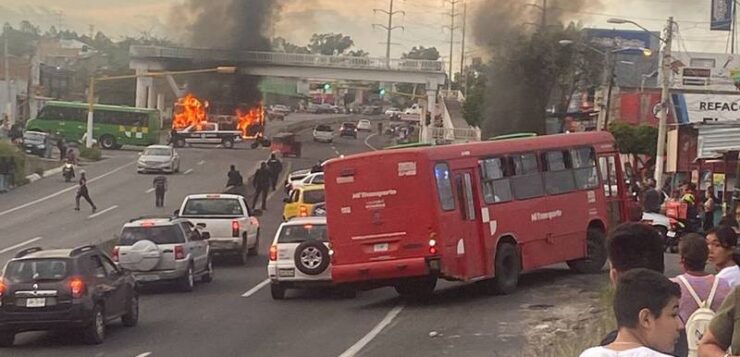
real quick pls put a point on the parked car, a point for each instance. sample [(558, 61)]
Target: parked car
[(37, 143), (299, 256), (393, 113), (301, 201), (158, 158), (348, 129), (59, 289), (364, 125), (164, 250), (372, 110), (323, 133), (233, 226)]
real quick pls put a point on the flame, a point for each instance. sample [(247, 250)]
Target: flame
[(189, 110), (251, 121)]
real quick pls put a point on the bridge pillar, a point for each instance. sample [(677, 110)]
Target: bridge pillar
[(426, 131), (144, 90)]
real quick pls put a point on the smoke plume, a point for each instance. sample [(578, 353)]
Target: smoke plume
[(520, 80)]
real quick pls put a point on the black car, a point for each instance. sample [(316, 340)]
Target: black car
[(37, 143), (63, 289), (348, 129)]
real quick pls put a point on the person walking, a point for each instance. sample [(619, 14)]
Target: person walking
[(160, 187), (709, 204), (262, 185), (82, 192), (276, 167)]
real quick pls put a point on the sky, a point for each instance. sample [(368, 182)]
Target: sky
[(423, 20)]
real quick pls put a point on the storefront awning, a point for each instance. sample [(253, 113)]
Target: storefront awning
[(716, 140)]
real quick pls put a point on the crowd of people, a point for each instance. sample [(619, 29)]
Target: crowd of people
[(692, 314), (265, 179)]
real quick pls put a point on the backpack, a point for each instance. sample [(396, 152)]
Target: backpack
[(699, 320)]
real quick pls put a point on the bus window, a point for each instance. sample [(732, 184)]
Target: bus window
[(496, 186), (609, 175), (444, 186), (527, 180), (558, 172), (584, 168)]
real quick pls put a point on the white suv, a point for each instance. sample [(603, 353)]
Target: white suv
[(299, 256)]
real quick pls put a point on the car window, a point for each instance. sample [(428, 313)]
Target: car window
[(302, 233), (156, 234), (96, 267), (318, 179), (212, 207), (323, 128), (158, 152), (313, 196), (33, 270)]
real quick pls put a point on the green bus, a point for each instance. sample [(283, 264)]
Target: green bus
[(113, 126)]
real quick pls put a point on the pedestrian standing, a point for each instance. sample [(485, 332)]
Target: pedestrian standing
[(651, 198), (262, 185), (234, 177), (82, 192), (62, 148), (709, 204), (160, 187), (276, 167)]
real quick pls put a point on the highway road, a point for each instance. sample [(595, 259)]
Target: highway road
[(235, 315)]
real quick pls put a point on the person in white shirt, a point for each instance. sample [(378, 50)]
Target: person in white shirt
[(646, 309), (722, 242)]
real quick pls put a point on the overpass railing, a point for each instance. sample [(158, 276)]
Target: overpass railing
[(287, 59)]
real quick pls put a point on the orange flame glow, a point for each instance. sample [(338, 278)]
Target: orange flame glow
[(251, 121), (189, 110)]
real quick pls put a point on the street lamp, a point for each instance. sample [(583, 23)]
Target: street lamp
[(665, 90), (91, 90)]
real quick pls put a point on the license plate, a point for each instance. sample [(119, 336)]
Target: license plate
[(147, 277), (286, 273), (36, 302), (380, 247), (671, 234)]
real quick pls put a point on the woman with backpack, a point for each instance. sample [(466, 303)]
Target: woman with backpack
[(702, 293)]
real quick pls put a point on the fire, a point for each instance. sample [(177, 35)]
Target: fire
[(189, 110), (251, 121)]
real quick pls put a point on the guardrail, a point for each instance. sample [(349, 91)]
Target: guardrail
[(290, 59), (454, 135)]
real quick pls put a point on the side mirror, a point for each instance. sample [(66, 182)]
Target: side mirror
[(176, 213), (257, 213), (205, 235), (201, 225)]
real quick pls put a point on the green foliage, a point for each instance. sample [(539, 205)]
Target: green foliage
[(330, 44), (358, 53), (422, 53), (635, 140), (94, 153), (282, 45)]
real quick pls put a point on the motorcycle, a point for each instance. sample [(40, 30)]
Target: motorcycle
[(68, 172)]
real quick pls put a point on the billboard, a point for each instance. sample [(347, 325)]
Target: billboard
[(707, 108), (606, 39), (722, 11)]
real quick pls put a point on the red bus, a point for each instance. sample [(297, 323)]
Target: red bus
[(482, 211)]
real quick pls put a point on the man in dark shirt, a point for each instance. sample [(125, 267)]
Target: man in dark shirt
[(262, 181), (275, 167), (234, 177), (651, 200), (160, 187), (83, 193)]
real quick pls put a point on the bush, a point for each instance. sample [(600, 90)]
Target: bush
[(93, 153), (9, 150)]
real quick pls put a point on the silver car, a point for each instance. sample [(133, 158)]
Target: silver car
[(164, 249), (158, 158)]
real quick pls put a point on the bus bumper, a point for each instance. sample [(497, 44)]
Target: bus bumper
[(386, 272)]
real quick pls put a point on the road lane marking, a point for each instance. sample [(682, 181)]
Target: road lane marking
[(150, 190), (257, 288), (201, 162), (103, 211), (359, 345), (368, 144), (42, 199), (187, 171), (20, 245), (145, 354)]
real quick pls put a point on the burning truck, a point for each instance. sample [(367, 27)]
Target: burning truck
[(192, 119)]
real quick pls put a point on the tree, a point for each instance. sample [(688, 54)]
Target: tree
[(422, 53), (330, 44), (282, 45), (358, 53), (474, 106)]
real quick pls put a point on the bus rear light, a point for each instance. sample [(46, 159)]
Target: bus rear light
[(235, 228), (433, 250), (76, 287), (179, 252), (3, 287), (114, 255), (273, 253)]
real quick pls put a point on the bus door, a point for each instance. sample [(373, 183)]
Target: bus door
[(470, 252), (613, 189)]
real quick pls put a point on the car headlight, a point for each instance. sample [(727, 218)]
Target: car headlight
[(42, 146)]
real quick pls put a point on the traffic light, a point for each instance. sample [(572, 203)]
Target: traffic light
[(327, 86), (381, 92)]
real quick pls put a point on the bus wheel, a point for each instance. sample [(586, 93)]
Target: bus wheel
[(507, 267), (420, 288), (108, 142), (596, 258)]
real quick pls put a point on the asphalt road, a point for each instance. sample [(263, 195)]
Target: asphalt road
[(217, 319)]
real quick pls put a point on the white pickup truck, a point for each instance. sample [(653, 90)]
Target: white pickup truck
[(233, 227)]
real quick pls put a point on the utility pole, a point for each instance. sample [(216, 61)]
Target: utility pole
[(9, 103), (544, 14), (452, 28), (664, 102), (463, 72), (389, 29)]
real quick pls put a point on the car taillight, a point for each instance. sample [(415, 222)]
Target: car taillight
[(273, 253), (114, 256), (432, 246), (179, 252), (77, 287), (304, 211), (234, 228)]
